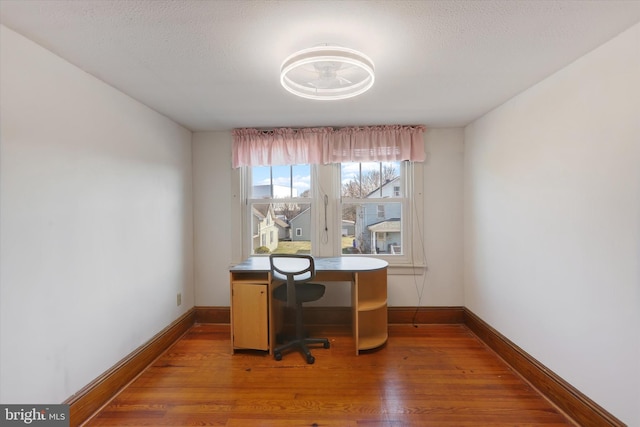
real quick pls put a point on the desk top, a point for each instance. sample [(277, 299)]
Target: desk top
[(350, 263)]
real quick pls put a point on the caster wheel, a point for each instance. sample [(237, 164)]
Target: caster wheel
[(326, 345), (277, 356), (311, 360)]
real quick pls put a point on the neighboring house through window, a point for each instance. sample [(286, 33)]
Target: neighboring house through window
[(280, 194), (371, 199)]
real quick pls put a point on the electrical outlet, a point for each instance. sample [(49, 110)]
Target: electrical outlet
[(179, 298)]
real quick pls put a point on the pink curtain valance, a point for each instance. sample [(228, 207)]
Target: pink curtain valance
[(283, 146), (375, 144), (253, 147)]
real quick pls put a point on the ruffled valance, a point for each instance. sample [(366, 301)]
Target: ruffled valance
[(324, 145)]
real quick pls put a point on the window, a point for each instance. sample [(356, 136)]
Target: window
[(353, 190), (372, 202), (279, 202)]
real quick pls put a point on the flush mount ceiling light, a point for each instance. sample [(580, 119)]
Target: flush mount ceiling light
[(327, 73)]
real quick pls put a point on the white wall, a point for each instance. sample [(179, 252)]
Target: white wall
[(443, 222), (95, 224), (217, 221), (552, 223), (216, 217)]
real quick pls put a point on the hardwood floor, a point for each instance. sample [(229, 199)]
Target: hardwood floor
[(429, 375)]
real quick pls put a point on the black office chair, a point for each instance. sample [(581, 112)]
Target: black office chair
[(296, 271)]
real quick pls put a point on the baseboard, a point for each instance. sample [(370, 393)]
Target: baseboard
[(312, 315), (575, 404), (92, 397), (342, 315), (425, 315), (213, 315)]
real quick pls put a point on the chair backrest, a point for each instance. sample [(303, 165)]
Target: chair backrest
[(292, 267)]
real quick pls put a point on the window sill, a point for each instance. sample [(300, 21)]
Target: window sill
[(406, 269)]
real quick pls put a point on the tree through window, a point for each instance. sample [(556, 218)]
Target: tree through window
[(372, 206)]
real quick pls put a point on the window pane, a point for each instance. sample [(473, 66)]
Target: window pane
[(301, 175), (279, 182), (365, 232), (281, 228), (371, 179), (261, 182)]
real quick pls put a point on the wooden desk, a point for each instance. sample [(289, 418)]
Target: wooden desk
[(253, 319)]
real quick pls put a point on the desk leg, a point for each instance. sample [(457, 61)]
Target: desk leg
[(355, 327), (274, 319)]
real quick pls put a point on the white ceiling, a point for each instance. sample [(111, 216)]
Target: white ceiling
[(214, 65)]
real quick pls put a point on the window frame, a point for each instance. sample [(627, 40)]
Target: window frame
[(325, 202), (246, 180), (406, 201)]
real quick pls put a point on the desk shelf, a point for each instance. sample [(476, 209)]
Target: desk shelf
[(373, 341), (370, 315), (372, 305), (250, 277)]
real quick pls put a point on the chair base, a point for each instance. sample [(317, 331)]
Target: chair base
[(301, 344)]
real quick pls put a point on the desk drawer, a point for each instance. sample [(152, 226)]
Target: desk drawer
[(249, 316)]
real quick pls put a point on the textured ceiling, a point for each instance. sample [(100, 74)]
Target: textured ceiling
[(214, 65)]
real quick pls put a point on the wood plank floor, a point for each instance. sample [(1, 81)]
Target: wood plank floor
[(429, 375)]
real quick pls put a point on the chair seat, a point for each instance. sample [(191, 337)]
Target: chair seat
[(305, 292)]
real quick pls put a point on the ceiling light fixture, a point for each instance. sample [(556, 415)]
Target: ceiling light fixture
[(327, 72)]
